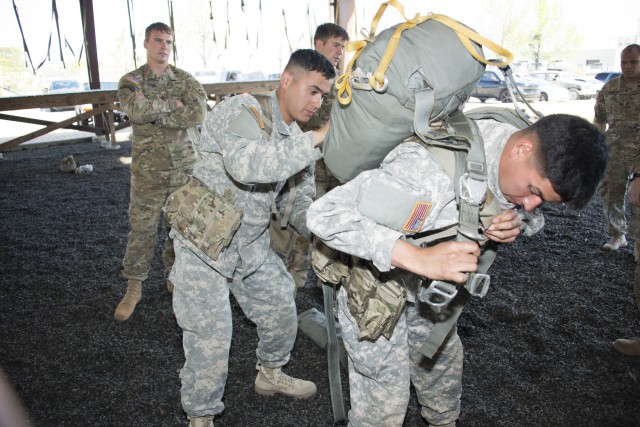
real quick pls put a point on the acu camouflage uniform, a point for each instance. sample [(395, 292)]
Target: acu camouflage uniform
[(236, 156), (162, 154), (381, 370), (618, 105)]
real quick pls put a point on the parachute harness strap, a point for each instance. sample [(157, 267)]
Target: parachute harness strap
[(378, 80)]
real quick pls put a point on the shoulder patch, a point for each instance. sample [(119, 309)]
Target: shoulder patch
[(392, 207), (418, 217), (247, 123)]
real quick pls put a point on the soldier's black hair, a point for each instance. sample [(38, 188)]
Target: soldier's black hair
[(635, 48), (157, 26), (572, 153), (311, 60), (325, 31)]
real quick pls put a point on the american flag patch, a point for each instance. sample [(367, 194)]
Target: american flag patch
[(132, 79), (417, 218)]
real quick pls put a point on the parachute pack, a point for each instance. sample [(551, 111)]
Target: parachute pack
[(400, 82)]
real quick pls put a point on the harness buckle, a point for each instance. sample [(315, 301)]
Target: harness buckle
[(438, 294), (478, 284)]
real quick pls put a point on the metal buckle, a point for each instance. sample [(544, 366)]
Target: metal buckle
[(472, 191), (478, 285), (438, 294), (374, 84)]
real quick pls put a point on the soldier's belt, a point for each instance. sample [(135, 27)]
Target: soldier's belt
[(206, 219)]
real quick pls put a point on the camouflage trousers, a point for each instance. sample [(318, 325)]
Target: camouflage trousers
[(380, 372), (149, 192), (203, 311), (613, 189)]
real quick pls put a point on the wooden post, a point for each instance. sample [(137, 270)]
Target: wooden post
[(91, 49)]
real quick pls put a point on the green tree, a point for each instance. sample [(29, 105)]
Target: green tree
[(505, 19), (551, 36), (16, 77)]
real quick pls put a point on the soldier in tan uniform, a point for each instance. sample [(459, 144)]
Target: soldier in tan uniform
[(617, 112), (618, 106), (164, 105)]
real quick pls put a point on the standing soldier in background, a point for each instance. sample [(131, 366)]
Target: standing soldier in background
[(329, 40), (164, 105), (618, 106)]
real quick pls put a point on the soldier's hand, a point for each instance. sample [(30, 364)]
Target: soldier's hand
[(320, 134), (634, 192), (504, 227), (449, 261)]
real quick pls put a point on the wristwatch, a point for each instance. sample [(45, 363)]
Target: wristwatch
[(633, 176)]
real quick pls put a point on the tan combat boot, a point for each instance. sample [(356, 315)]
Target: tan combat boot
[(636, 285), (629, 347), (129, 301), (200, 421), (615, 243), (169, 286), (272, 380)]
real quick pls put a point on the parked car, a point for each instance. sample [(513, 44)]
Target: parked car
[(605, 76), (548, 91), (62, 86), (493, 85), (118, 116), (577, 89), (597, 84)]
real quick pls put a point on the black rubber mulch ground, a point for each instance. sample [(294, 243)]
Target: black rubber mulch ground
[(537, 348)]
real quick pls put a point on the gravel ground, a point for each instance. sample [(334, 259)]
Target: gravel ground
[(537, 347)]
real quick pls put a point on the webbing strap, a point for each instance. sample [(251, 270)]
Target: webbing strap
[(24, 41), (441, 329), (425, 99), (333, 354), (266, 125), (470, 183), (465, 34)]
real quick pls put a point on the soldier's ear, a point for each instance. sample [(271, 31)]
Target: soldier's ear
[(521, 146), (285, 79)]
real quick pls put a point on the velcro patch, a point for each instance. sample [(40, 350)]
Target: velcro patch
[(393, 207), (246, 124), (418, 216)]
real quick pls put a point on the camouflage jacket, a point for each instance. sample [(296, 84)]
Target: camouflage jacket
[(164, 134), (236, 156), (409, 170), (618, 105)]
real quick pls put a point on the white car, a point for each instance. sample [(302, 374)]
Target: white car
[(597, 84), (548, 91)]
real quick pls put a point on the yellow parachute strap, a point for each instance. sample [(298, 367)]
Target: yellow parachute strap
[(465, 34)]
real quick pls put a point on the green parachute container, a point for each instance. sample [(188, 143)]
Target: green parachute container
[(398, 83)]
